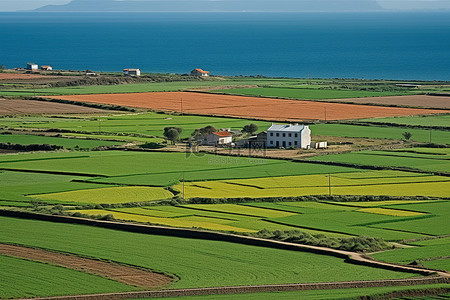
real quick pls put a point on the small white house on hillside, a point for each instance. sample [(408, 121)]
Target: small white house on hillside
[(32, 66), (288, 136), (132, 72), (218, 138)]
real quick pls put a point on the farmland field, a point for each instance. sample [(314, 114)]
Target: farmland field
[(345, 130), (25, 107), (198, 263), (421, 161), (159, 168), (40, 279), (308, 93), (109, 195), (64, 142), (248, 107), (438, 120), (150, 124), (393, 183)]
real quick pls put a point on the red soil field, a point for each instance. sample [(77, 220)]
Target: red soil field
[(24, 107), (248, 107)]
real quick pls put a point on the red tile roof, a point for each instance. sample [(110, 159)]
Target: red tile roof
[(201, 71), (222, 133)]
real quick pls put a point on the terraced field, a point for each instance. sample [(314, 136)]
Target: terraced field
[(198, 263)]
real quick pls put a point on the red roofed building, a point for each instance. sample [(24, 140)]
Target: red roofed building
[(218, 138), (199, 72)]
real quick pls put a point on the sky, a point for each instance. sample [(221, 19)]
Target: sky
[(14, 5)]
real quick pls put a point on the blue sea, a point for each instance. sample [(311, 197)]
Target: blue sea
[(327, 45)]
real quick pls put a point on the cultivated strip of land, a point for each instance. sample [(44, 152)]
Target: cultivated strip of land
[(24, 107), (125, 274), (248, 107)]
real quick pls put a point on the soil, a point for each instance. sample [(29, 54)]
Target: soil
[(249, 107), (20, 76), (125, 274), (24, 107), (412, 101)]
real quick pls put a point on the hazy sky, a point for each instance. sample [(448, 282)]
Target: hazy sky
[(13, 5)]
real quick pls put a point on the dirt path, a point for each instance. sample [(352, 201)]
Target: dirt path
[(121, 273)]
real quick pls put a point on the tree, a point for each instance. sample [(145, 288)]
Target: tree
[(204, 131), (407, 135), (250, 128), (172, 133)]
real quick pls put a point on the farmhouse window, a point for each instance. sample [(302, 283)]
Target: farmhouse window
[(278, 134), (271, 134), (271, 142), (290, 134), (290, 144), (284, 134), (296, 135), (295, 143)]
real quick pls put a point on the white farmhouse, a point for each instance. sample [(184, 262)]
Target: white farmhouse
[(288, 136), (132, 72), (218, 138), (32, 66)]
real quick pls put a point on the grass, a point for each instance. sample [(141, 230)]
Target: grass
[(318, 294), (423, 162), (159, 168), (426, 120), (378, 132), (16, 186), (150, 124), (28, 279), (69, 143), (390, 212), (109, 195), (393, 183), (198, 263), (310, 93), (436, 248)]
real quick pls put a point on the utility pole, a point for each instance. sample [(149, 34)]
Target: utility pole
[(181, 104), (329, 185), (99, 126), (325, 108), (183, 185), (34, 90), (430, 135)]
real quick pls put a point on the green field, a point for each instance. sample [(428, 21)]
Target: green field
[(159, 168), (149, 124), (198, 263), (421, 161), (376, 132), (58, 141), (109, 195), (328, 218), (309, 93), (15, 186), (28, 279), (318, 294), (426, 120)]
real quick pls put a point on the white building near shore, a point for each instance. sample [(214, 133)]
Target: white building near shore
[(289, 136)]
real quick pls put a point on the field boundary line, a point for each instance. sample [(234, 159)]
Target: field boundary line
[(349, 257), (254, 289)]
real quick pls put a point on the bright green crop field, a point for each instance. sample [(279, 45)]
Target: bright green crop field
[(198, 263), (376, 132), (423, 162), (309, 93), (318, 295), (426, 120), (28, 279), (58, 141), (15, 186)]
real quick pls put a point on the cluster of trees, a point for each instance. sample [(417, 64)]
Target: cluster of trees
[(172, 133), (32, 147), (355, 244)]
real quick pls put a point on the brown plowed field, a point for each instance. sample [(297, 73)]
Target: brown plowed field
[(413, 101), (121, 273), (23, 107), (248, 107), (14, 76)]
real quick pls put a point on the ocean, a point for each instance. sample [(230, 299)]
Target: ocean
[(392, 45)]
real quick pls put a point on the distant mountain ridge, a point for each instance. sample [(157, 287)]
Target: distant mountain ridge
[(215, 6)]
